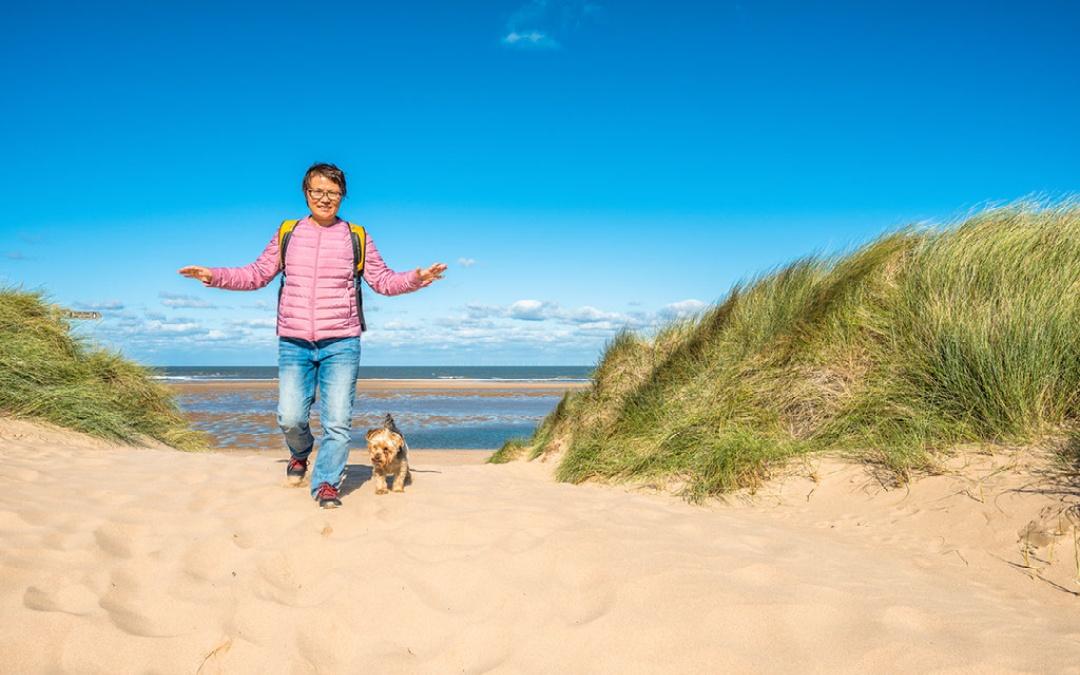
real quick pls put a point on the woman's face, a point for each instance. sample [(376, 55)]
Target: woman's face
[(323, 197)]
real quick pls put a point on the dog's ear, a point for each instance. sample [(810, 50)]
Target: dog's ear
[(370, 433), (397, 439)]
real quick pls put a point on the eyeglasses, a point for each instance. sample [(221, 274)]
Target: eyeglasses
[(317, 195)]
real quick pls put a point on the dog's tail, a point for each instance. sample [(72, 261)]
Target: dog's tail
[(388, 422)]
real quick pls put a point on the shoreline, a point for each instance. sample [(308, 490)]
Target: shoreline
[(418, 457), (377, 385)]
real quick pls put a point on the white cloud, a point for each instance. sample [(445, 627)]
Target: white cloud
[(547, 24), (525, 327), (16, 255), (254, 323), (682, 309), (532, 38), (466, 262), (179, 300), (587, 317), (174, 327), (591, 315), (478, 311), (531, 310), (100, 306)]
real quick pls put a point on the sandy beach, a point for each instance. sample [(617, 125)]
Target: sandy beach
[(121, 559)]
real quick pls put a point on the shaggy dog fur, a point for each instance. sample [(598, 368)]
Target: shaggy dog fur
[(389, 456)]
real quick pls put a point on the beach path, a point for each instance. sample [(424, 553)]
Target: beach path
[(119, 559)]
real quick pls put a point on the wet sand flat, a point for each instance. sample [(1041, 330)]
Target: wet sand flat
[(433, 413)]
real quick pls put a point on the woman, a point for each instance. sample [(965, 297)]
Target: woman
[(319, 323)]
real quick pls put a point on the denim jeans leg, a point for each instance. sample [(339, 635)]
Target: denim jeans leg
[(296, 392), (339, 364)]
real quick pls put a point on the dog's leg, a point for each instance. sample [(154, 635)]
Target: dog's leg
[(379, 478), (403, 477)]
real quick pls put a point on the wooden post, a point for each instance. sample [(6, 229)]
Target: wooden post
[(75, 314)]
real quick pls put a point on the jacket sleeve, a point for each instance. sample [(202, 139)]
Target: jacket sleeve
[(384, 280), (251, 276)]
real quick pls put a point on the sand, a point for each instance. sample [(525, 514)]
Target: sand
[(119, 559)]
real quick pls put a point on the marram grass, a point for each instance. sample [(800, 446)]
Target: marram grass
[(48, 374), (918, 341)]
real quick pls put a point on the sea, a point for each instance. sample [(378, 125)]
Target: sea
[(243, 418), (509, 373)]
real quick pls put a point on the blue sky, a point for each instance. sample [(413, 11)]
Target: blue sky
[(581, 166)]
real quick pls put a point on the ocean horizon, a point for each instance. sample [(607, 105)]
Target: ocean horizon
[(495, 373)]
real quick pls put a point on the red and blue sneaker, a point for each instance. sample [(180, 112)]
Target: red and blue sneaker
[(327, 496), (296, 471)]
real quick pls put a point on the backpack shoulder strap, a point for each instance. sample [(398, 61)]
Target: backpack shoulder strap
[(359, 249), (359, 241), (285, 231)]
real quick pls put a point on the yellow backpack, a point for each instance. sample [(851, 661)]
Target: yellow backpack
[(359, 247)]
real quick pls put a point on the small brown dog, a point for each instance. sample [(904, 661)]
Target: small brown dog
[(389, 456)]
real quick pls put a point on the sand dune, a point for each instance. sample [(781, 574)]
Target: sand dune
[(120, 559)]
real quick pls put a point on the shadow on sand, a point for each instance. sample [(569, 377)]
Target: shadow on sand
[(358, 474)]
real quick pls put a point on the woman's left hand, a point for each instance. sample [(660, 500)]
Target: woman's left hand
[(431, 273)]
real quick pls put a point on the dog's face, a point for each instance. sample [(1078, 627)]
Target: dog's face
[(383, 446)]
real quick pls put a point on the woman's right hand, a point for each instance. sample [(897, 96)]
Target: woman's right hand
[(195, 272)]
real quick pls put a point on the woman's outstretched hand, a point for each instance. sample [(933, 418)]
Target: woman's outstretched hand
[(427, 276), (201, 273)]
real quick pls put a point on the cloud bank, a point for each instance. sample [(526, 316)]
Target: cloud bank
[(520, 329)]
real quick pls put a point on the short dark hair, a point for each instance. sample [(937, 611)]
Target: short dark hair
[(328, 171)]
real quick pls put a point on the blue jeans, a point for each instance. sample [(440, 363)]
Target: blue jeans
[(332, 365)]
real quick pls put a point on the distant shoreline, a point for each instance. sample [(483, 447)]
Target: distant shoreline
[(470, 376), (367, 385)]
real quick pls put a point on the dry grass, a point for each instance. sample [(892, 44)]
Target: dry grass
[(46, 373), (917, 341)]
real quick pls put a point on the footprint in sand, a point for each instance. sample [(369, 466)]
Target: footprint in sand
[(242, 539), (212, 558), (125, 540), (11, 521), (67, 598), (139, 609), (287, 578)]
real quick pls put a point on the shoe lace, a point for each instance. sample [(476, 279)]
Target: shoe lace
[(297, 464), (327, 491)]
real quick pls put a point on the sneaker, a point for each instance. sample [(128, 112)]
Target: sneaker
[(296, 471), (327, 495)]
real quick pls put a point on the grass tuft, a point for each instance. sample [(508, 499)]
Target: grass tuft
[(49, 374)]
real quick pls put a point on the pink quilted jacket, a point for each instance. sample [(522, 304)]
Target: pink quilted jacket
[(319, 300)]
